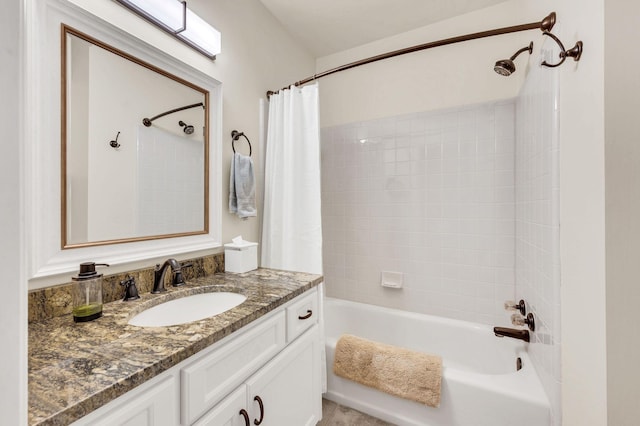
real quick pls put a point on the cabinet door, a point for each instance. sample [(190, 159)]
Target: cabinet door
[(228, 412), (206, 381), (286, 391), (154, 404)]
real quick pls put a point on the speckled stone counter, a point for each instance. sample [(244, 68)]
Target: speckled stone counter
[(76, 368)]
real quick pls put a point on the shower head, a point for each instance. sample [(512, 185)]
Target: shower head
[(188, 129), (507, 67)]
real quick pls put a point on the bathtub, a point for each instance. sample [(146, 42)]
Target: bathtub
[(480, 385)]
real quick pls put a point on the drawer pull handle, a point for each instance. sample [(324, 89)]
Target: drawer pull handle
[(309, 313), (259, 400), (244, 414)]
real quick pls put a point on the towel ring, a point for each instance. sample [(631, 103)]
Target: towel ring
[(235, 135)]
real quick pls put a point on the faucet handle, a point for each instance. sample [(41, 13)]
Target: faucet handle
[(130, 289), (517, 319), (178, 279), (510, 305), (529, 321)]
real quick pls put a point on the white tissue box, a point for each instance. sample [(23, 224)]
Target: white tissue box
[(240, 257)]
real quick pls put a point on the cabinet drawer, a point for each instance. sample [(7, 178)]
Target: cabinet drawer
[(205, 382), (154, 403), (302, 314)]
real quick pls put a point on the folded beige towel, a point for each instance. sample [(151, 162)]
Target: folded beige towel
[(401, 372)]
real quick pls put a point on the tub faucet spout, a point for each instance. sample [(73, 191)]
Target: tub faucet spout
[(511, 332)]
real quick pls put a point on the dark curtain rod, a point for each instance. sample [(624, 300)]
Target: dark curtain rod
[(545, 25), (147, 121)]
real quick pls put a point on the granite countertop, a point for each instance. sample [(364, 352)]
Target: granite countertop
[(75, 368)]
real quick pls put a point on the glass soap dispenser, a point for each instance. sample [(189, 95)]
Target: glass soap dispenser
[(87, 293)]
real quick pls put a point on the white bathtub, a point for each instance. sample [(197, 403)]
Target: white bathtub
[(480, 384)]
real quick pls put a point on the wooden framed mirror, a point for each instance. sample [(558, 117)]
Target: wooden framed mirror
[(135, 147), (49, 105)]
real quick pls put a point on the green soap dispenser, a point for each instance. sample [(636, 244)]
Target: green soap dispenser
[(87, 293)]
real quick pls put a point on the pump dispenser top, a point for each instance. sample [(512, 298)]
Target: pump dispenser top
[(87, 293)]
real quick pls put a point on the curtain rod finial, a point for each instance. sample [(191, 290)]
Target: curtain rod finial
[(548, 22)]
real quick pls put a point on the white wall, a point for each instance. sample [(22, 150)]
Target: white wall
[(622, 166), (257, 55), (13, 303), (438, 78)]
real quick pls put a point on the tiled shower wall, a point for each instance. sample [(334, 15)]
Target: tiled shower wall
[(537, 223), (429, 195)]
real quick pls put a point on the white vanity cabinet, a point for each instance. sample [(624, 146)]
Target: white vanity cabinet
[(266, 373), (284, 392)]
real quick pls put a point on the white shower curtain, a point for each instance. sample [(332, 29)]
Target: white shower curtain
[(292, 224)]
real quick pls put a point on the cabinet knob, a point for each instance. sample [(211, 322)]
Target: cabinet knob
[(259, 401), (244, 414), (304, 317)]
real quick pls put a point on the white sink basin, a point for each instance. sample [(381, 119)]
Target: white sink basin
[(187, 309)]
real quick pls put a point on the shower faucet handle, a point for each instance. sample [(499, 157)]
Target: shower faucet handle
[(510, 305), (529, 321)]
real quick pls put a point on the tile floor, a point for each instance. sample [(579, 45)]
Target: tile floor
[(337, 415)]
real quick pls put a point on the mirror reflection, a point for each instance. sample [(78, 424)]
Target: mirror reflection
[(134, 148)]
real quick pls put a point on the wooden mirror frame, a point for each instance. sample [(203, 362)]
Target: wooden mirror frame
[(47, 261), (65, 244)]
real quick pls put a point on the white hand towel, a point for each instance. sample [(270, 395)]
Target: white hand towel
[(242, 187)]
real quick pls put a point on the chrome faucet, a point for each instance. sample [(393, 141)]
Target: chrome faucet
[(512, 332), (158, 275)]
